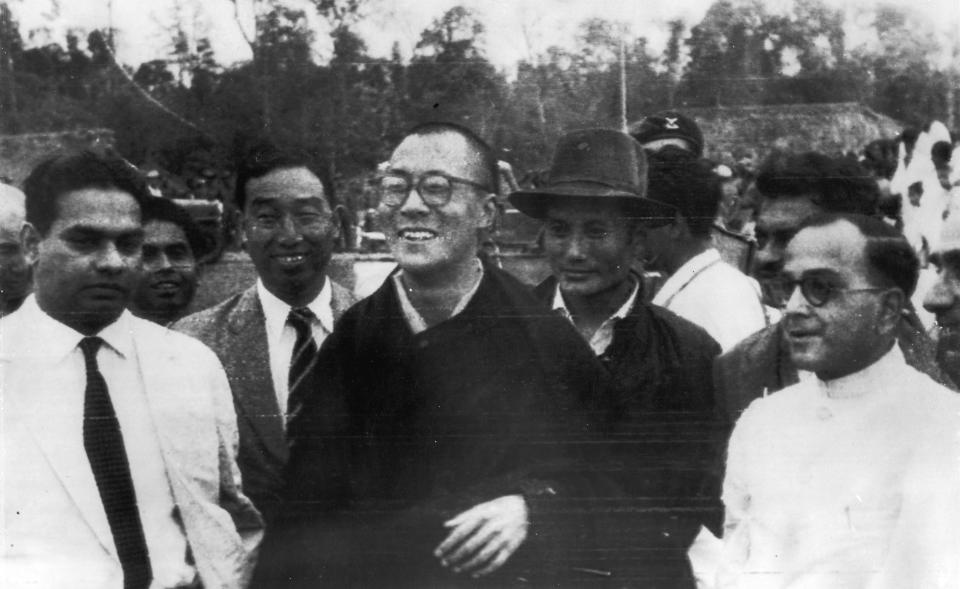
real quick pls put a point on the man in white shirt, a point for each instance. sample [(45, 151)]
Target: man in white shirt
[(268, 336), (700, 286), (850, 479), (118, 436)]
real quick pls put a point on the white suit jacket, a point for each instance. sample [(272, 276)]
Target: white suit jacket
[(54, 531)]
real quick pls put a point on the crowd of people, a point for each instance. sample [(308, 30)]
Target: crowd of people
[(794, 427)]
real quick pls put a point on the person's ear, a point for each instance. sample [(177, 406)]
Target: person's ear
[(338, 217), (30, 243), (489, 210), (893, 302), (239, 221)]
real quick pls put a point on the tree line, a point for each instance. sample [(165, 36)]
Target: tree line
[(184, 110)]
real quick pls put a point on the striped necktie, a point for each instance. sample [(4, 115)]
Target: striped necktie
[(103, 442), (300, 379)]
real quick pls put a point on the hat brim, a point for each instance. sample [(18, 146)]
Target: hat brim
[(534, 203)]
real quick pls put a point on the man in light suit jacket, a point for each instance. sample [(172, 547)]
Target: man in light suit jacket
[(118, 439), (289, 228)]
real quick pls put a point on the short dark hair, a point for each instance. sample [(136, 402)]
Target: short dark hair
[(487, 156), (680, 179), (838, 185), (66, 172), (941, 150), (891, 260), (263, 157), (161, 209)]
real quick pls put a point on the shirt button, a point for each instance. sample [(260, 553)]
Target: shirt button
[(824, 413)]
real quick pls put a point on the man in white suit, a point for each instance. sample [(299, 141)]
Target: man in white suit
[(118, 437)]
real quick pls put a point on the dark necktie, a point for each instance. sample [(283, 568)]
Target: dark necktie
[(299, 382), (111, 469)]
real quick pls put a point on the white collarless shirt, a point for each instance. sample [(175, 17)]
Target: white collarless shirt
[(603, 336), (117, 360), (281, 337), (852, 483)]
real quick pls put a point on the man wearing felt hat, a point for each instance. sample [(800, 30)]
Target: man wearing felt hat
[(592, 206)]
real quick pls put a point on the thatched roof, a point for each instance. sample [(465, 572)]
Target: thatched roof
[(829, 128), (19, 153)]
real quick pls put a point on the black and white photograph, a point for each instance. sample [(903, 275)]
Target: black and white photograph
[(452, 294)]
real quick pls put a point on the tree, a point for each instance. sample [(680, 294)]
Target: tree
[(449, 77)]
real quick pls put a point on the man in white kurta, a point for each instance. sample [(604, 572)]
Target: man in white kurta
[(849, 479)]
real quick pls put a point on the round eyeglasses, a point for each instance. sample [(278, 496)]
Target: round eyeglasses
[(434, 188), (818, 290)]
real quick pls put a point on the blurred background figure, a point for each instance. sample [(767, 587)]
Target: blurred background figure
[(172, 248), (700, 287), (16, 275), (943, 298), (669, 128)]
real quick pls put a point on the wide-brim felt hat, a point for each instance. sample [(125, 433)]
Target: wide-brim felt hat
[(599, 164)]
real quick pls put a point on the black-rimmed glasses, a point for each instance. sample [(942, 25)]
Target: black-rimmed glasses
[(817, 289), (434, 188)]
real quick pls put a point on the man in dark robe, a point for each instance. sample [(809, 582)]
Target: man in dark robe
[(443, 445)]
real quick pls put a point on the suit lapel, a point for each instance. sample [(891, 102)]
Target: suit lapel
[(185, 450), (341, 300), (54, 425), (252, 383)]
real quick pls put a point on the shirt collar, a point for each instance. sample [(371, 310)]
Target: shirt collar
[(414, 318), (622, 313), (884, 371), (275, 311), (58, 339)]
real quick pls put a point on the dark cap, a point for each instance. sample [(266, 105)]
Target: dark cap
[(669, 124), (595, 163)]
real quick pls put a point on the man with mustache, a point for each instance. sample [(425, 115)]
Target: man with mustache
[(172, 244), (795, 188), (119, 436), (440, 443), (15, 274), (268, 335), (849, 478)]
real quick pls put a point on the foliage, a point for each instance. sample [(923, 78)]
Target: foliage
[(185, 112)]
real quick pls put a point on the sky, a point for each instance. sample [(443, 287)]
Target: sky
[(516, 29)]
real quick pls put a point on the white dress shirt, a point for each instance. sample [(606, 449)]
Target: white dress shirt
[(281, 337), (603, 336), (846, 484), (118, 362), (414, 319), (716, 296)]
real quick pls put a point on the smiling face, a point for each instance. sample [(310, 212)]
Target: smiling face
[(853, 328), (590, 246), (169, 277), (434, 240), (290, 232), (87, 264)]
